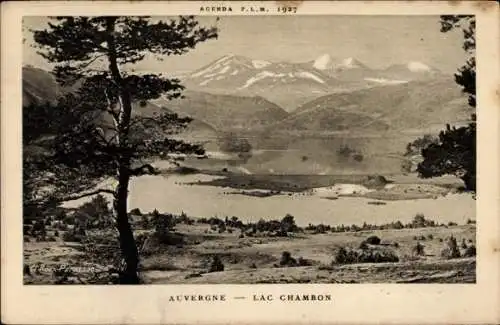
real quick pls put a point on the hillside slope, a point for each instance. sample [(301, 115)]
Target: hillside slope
[(226, 111), (413, 105)]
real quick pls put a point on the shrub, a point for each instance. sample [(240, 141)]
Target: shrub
[(145, 222), (358, 157), (39, 228), (419, 220), (73, 236), (344, 256), (136, 212), (69, 220), (377, 257), (287, 259), (464, 244), (56, 233), (162, 223), (288, 224), (40, 238), (216, 265), (26, 229), (470, 251), (373, 240), (95, 214), (430, 237), (418, 250), (451, 249), (26, 270), (59, 214)]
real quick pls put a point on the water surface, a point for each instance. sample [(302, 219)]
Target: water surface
[(170, 194)]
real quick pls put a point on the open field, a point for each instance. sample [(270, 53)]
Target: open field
[(257, 258)]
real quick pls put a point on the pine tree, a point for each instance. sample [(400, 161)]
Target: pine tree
[(103, 136), (455, 151)]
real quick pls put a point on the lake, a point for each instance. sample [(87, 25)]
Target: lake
[(168, 194)]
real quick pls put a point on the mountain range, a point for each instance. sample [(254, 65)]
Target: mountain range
[(309, 109), (292, 84)]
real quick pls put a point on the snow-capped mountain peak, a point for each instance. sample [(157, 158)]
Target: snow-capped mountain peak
[(223, 67), (326, 62), (323, 62)]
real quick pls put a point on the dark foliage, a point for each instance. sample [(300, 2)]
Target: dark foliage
[(95, 214), (136, 212), (455, 151), (216, 265), (418, 249), (470, 251), (373, 240), (287, 259), (451, 249), (83, 146), (349, 256), (455, 154)]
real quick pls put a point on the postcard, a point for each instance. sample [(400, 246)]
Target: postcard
[(255, 162)]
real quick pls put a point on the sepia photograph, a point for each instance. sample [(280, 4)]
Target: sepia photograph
[(327, 159), (249, 144)]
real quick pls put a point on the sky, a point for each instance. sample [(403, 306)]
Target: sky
[(377, 41)]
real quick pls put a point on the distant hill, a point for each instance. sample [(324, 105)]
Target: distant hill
[(225, 112), (413, 105), (413, 70), (38, 86)]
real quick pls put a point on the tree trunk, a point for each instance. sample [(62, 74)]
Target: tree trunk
[(127, 242)]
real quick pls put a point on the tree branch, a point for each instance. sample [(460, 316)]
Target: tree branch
[(82, 195), (86, 64), (146, 169)]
